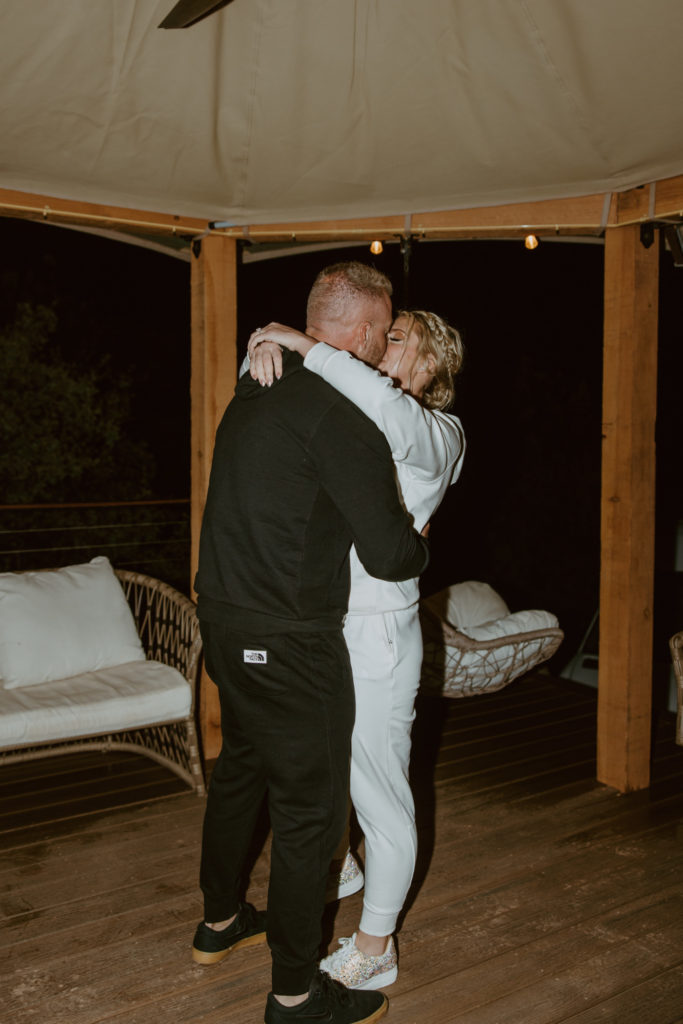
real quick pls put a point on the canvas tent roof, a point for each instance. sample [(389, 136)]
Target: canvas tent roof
[(274, 110)]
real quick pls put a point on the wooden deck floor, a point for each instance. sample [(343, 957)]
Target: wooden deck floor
[(540, 896)]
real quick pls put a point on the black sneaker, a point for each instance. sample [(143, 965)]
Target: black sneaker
[(329, 1002), (248, 928)]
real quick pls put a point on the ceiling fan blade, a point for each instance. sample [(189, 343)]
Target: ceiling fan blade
[(189, 12)]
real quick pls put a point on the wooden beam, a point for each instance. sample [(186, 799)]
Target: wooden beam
[(656, 200), (53, 210), (669, 196), (573, 215), (582, 215), (627, 510), (214, 375)]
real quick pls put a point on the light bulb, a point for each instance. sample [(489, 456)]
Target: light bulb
[(376, 248), (531, 241)]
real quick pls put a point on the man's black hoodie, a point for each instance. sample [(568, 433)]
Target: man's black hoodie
[(298, 475)]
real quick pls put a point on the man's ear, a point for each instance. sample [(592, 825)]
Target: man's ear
[(362, 335)]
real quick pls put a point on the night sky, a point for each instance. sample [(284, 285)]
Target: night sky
[(525, 514)]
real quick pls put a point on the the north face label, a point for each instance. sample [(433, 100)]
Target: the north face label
[(260, 657)]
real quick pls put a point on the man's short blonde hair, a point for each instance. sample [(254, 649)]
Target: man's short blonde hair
[(340, 284)]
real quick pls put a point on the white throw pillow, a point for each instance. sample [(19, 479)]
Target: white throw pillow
[(467, 604), (64, 622)]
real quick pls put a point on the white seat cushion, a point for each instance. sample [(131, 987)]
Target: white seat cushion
[(63, 622), (493, 666), (516, 622), (121, 697)]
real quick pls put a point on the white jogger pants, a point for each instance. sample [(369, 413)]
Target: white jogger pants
[(386, 657)]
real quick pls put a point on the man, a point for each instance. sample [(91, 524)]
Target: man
[(298, 475)]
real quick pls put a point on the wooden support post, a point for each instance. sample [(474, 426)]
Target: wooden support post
[(214, 374), (627, 510)]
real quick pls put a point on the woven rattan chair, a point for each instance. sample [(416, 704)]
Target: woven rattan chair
[(676, 646), (169, 630), (455, 665)]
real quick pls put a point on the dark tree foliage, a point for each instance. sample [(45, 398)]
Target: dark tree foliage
[(63, 427)]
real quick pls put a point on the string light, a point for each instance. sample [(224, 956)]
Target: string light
[(376, 248), (531, 241)]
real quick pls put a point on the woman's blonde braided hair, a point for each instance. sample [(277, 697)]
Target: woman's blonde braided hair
[(444, 344)]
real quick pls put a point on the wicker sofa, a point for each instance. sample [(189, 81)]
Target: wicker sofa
[(145, 705)]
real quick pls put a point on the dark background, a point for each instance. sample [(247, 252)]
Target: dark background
[(525, 514)]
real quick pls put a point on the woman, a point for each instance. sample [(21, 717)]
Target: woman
[(407, 401)]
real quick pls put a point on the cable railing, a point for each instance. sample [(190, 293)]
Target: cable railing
[(152, 537)]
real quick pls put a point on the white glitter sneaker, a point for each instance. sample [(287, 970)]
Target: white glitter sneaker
[(360, 970), (345, 882)]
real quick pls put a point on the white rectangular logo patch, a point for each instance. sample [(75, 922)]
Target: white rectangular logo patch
[(260, 657)]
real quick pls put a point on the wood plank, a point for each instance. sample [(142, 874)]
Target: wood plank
[(92, 803), (526, 715), (57, 861), (515, 732), (100, 816), (129, 862), (523, 853), (501, 989), (27, 773), (141, 958), (58, 788), (669, 197), (519, 921), (568, 215), (143, 896), (61, 995), (34, 206), (214, 375), (38, 882), (627, 519), (655, 1001), (580, 214), (637, 919), (539, 897), (554, 215), (509, 858)]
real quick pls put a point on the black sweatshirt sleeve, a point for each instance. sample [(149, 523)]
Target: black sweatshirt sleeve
[(356, 470)]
